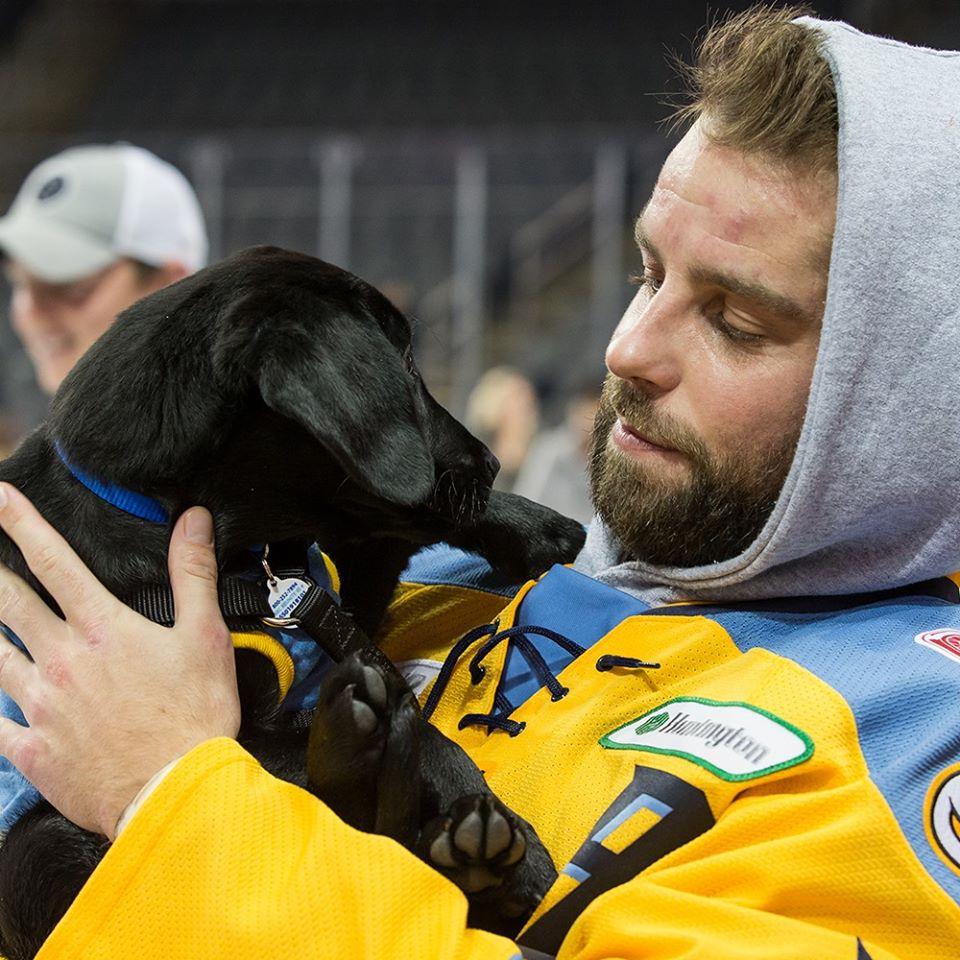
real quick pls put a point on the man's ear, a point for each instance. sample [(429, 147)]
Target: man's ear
[(344, 383)]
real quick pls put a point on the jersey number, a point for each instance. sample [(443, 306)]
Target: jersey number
[(683, 814)]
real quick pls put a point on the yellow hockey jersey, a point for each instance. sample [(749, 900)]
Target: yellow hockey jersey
[(778, 781)]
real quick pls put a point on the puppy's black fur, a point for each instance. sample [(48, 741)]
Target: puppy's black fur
[(279, 392)]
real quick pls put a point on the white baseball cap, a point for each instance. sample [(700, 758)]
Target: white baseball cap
[(83, 209)]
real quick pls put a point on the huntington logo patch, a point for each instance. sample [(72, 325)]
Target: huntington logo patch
[(941, 818), (735, 741), (654, 723)]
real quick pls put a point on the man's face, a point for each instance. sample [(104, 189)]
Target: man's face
[(711, 364), (57, 323)]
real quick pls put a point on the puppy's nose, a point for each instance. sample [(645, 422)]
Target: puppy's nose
[(490, 466)]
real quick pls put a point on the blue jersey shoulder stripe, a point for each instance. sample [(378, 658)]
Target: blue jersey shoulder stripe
[(905, 697), (443, 565), (579, 607)]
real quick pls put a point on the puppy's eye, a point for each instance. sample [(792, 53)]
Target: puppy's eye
[(409, 362)]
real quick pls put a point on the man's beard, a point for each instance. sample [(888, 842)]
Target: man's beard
[(712, 515)]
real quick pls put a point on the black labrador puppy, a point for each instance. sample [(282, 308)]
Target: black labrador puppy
[(281, 393)]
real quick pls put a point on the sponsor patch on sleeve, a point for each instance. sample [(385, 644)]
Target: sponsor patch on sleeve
[(735, 741), (945, 641), (941, 816)]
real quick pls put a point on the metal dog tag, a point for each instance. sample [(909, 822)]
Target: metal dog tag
[(285, 594)]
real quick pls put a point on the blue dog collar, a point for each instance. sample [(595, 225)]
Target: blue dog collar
[(137, 504)]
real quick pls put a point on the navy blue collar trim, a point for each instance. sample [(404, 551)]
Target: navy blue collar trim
[(137, 504)]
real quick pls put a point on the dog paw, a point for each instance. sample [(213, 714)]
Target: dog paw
[(364, 704), (363, 749), (522, 539), (352, 718), (554, 539), (475, 843)]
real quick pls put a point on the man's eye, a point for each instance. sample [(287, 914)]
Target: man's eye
[(716, 319), (732, 333), (646, 280)]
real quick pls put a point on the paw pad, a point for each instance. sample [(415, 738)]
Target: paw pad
[(476, 843)]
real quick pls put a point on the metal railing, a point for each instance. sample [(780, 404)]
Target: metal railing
[(468, 233)]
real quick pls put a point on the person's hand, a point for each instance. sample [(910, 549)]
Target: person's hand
[(110, 697)]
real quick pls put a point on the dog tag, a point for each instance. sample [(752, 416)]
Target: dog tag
[(286, 593)]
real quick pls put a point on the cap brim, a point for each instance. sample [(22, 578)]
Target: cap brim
[(52, 251)]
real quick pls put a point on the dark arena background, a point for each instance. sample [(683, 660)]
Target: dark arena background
[(479, 160)]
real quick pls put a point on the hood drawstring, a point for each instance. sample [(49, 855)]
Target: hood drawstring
[(450, 663), (498, 719)]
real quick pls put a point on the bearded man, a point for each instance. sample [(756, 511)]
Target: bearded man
[(755, 753)]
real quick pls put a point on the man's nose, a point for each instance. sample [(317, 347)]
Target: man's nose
[(645, 348)]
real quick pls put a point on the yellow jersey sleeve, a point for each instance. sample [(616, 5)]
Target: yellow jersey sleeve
[(226, 861)]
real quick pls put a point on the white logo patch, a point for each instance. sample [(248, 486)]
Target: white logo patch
[(735, 741), (942, 816), (945, 641), (419, 673)]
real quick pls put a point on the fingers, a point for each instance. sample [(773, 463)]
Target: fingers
[(17, 745), (15, 674), (76, 590), (26, 615), (193, 571)]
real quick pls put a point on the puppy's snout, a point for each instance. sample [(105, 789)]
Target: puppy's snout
[(476, 466), (489, 467)]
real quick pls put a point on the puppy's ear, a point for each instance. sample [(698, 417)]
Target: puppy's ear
[(341, 379)]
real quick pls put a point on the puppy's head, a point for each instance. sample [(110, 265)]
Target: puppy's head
[(276, 378)]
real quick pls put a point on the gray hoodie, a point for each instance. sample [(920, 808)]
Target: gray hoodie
[(872, 500)]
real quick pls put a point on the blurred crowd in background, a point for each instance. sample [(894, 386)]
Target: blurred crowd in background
[(480, 162)]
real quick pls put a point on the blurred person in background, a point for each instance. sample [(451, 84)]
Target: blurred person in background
[(91, 231), (503, 411), (555, 471)]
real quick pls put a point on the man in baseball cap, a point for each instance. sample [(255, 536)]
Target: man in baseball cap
[(92, 230)]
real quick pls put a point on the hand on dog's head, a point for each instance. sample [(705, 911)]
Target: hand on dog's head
[(280, 392)]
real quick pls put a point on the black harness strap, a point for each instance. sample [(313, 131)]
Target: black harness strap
[(241, 601), (328, 625), (317, 613), (244, 605)]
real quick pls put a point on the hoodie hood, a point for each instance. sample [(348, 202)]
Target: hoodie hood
[(872, 500)]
